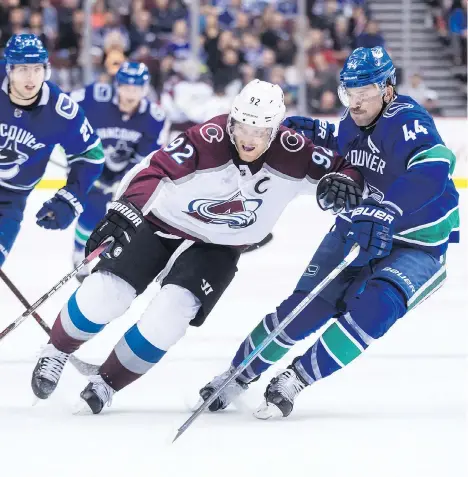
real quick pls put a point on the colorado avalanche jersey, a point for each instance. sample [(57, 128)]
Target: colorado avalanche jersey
[(404, 142), (198, 188), (28, 136), (126, 139)]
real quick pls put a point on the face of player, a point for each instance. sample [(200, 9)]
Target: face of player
[(129, 97), (365, 104), (26, 81), (251, 141)]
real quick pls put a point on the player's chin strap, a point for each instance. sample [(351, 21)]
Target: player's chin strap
[(36, 97)]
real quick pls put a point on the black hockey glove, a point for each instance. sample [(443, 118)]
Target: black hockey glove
[(122, 222), (338, 192)]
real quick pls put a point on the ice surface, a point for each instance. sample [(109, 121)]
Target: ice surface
[(397, 411)]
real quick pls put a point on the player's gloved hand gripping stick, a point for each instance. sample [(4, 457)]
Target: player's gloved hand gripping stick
[(353, 253)]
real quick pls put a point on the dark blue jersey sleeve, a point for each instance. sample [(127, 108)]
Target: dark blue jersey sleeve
[(429, 163)]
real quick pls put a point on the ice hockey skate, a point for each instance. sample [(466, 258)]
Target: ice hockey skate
[(94, 396), (231, 392), (280, 395), (48, 370)]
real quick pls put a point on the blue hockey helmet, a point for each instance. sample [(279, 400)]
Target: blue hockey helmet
[(26, 48), (366, 66), (132, 73)]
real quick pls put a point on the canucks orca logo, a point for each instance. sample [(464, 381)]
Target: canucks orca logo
[(117, 156), (236, 212), (374, 193), (11, 159)]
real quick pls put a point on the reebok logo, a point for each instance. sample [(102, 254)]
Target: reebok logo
[(371, 211), (127, 212), (206, 287)]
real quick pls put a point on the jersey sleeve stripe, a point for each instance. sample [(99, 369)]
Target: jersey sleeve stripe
[(95, 144), (437, 153)]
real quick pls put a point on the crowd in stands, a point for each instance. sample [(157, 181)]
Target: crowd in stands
[(239, 40), (449, 18)]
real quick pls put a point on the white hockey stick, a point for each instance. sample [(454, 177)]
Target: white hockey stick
[(354, 252)]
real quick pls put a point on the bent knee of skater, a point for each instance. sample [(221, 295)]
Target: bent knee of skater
[(103, 296), (168, 315), (378, 307)]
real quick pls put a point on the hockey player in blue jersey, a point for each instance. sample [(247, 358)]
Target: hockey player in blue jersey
[(403, 228), (35, 115), (130, 127)]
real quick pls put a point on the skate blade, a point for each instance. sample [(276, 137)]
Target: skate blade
[(81, 408), (267, 411), (34, 401)]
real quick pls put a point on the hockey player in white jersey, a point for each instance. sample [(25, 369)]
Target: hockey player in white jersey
[(183, 215)]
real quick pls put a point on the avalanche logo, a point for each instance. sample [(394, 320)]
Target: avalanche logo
[(236, 212), (10, 160)]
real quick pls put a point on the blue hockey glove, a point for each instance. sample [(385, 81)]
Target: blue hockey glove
[(60, 211), (372, 228), (338, 192), (318, 131)]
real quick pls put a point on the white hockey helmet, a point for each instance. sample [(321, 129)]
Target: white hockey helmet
[(259, 104)]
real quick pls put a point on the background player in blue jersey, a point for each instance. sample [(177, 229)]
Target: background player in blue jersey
[(35, 115), (403, 228), (130, 127)]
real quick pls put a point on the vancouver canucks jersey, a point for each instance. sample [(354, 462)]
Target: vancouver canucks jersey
[(403, 148), (126, 139), (29, 134)]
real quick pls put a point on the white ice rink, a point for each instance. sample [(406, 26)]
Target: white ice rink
[(398, 411)]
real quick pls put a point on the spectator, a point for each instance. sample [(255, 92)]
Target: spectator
[(228, 69), (165, 15), (457, 26), (324, 78), (417, 89), (179, 46), (114, 29), (371, 36), (329, 104), (242, 24), (252, 49), (141, 34), (36, 27), (268, 62)]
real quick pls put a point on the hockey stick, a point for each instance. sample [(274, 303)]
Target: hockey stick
[(354, 252), (94, 254), (82, 367)]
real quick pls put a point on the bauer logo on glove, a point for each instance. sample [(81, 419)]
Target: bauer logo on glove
[(372, 211)]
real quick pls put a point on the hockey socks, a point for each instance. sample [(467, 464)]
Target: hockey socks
[(307, 322)]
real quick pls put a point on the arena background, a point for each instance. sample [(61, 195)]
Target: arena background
[(201, 53)]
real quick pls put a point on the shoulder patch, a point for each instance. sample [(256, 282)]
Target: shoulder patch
[(292, 142), (212, 132), (66, 107), (396, 108), (157, 112), (102, 92), (78, 95)]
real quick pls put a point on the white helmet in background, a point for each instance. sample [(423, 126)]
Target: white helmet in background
[(260, 104)]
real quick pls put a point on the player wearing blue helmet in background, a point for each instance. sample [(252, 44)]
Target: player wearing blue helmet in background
[(35, 115), (403, 226), (130, 128)]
